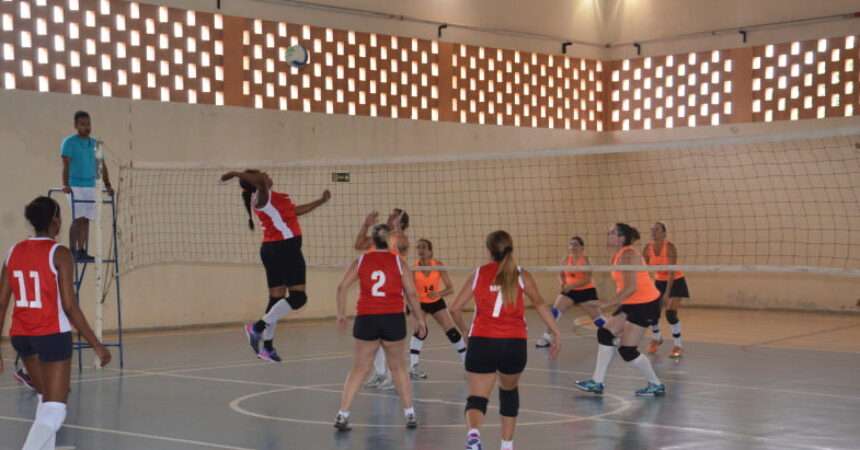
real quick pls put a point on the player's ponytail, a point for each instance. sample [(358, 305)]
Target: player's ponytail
[(381, 234), (501, 247), (248, 190), (629, 233)]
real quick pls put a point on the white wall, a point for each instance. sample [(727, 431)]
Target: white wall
[(594, 21)]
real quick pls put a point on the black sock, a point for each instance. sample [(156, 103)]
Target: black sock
[(259, 326), (268, 345)]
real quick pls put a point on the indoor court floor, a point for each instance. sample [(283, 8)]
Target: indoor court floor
[(749, 380)]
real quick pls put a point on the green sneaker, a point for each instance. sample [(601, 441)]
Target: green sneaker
[(589, 386), (652, 390)]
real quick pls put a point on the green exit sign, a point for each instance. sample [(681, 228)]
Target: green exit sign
[(340, 177)]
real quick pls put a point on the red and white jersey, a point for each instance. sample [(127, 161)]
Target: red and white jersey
[(278, 217), (493, 318), (32, 275), (381, 279)]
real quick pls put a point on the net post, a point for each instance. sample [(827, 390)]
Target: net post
[(99, 247)]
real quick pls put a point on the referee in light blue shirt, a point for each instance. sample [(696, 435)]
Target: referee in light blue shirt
[(79, 180)]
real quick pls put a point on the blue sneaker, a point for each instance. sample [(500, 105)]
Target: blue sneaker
[(253, 337), (474, 442), (652, 390), (589, 386), (269, 355)]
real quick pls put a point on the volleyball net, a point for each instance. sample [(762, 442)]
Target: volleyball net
[(774, 203)]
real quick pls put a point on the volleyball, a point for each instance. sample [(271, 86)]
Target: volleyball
[(296, 56)]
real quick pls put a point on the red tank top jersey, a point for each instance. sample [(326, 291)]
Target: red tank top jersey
[(30, 269), (576, 276), (493, 318), (425, 284), (381, 283), (662, 260), (645, 290), (278, 217)]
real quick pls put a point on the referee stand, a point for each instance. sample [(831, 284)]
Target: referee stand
[(112, 262)]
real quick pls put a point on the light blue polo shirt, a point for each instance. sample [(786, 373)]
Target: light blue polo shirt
[(82, 170)]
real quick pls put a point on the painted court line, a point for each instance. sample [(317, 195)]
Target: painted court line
[(154, 372), (132, 434), (235, 405), (694, 383)]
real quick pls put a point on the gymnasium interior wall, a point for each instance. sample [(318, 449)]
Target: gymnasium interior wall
[(32, 125)]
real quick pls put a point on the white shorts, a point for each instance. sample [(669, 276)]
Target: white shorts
[(87, 209)]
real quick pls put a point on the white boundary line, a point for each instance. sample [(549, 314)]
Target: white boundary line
[(693, 383), (132, 434), (565, 418)]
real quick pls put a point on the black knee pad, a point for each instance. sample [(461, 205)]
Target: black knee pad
[(509, 402), (479, 403), (297, 299), (605, 337), (272, 301), (453, 335), (672, 316), (628, 353)]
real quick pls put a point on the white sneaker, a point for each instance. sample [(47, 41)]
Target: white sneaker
[(416, 374), (387, 383), (373, 380), (542, 342)]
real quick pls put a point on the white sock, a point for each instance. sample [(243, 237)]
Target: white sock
[(39, 403), (460, 346), (415, 347), (507, 445), (269, 332), (408, 411), (48, 421), (279, 310), (676, 333), (474, 431), (38, 437), (379, 362), (643, 365), (547, 337), (52, 443), (655, 331), (604, 357), (345, 414)]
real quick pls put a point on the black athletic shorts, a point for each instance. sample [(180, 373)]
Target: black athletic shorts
[(49, 347), (642, 314), (284, 262), (679, 288), (434, 307), (371, 327), (489, 355), (582, 295)]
